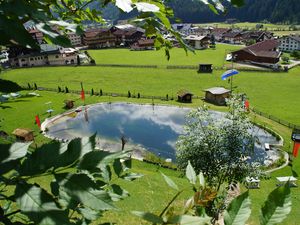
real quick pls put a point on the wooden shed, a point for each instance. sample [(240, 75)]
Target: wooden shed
[(205, 68), (184, 96), (23, 134), (217, 95)]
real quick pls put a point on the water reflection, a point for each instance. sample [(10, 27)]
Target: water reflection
[(155, 130)]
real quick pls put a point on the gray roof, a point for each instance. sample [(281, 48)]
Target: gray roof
[(217, 90)]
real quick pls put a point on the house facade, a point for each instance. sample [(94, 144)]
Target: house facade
[(75, 39), (126, 34), (198, 42), (289, 43), (99, 38), (49, 55)]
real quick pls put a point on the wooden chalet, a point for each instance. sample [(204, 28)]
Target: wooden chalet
[(256, 36), (143, 44), (264, 52), (233, 37), (127, 34), (219, 32), (198, 42), (184, 96), (217, 95), (99, 38), (23, 134)]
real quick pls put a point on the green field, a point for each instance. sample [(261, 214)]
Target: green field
[(274, 93), (178, 56)]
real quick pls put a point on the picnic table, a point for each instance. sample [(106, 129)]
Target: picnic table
[(290, 179)]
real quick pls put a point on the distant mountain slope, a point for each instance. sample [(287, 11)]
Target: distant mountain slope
[(194, 11), (254, 10)]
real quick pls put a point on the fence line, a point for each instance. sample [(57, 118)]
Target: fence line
[(274, 118), (164, 98)]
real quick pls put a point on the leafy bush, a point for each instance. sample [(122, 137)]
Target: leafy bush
[(76, 197)]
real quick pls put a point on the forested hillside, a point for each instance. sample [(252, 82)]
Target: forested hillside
[(194, 11), (274, 11)]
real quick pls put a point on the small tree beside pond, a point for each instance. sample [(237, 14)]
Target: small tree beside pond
[(218, 147)]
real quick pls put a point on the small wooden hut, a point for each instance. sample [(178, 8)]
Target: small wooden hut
[(184, 96), (205, 68), (217, 95), (23, 134)]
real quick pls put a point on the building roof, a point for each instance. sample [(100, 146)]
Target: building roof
[(184, 92), (22, 132), (295, 37), (263, 49), (231, 34), (195, 38), (220, 30), (266, 45), (217, 90)]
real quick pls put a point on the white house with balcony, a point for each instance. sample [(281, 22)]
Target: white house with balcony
[(289, 43)]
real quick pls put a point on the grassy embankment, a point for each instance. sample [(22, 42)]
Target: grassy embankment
[(274, 93)]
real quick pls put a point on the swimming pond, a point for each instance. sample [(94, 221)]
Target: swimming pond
[(153, 128)]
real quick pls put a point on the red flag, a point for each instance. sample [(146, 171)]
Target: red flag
[(82, 95), (296, 148), (37, 120), (247, 105)]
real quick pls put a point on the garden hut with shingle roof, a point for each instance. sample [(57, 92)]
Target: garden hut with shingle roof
[(217, 95), (184, 96)]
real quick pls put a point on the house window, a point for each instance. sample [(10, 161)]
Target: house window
[(22, 60), (56, 56), (31, 59)]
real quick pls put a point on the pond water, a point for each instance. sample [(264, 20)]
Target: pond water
[(154, 128)]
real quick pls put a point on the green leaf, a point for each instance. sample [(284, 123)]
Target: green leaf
[(118, 168), (148, 216), (238, 211), (89, 214), (39, 206), (82, 189), (190, 220), (98, 159), (277, 206), (55, 155), (201, 179), (132, 176), (12, 152), (170, 182), (10, 156), (190, 173), (118, 193)]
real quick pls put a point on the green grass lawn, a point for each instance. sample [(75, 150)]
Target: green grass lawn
[(178, 56), (273, 93)]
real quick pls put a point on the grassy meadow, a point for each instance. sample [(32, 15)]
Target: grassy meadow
[(178, 56), (274, 93)]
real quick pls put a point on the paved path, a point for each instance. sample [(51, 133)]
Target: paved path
[(286, 157)]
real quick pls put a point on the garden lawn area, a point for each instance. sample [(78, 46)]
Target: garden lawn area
[(274, 93), (149, 193), (178, 56)]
